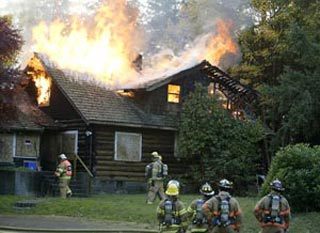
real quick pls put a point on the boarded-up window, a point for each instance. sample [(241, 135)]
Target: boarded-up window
[(27, 145), (128, 146), (69, 142), (6, 147), (173, 93)]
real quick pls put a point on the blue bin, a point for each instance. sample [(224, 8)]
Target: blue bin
[(30, 164)]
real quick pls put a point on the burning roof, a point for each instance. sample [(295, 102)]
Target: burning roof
[(22, 114), (96, 104)]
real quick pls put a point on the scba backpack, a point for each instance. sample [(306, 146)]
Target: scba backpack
[(148, 171), (162, 173)]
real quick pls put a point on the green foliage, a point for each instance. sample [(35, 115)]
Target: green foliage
[(225, 147), (298, 168), (281, 53)]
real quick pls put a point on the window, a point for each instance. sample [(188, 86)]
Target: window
[(173, 93), (27, 145), (69, 142), (128, 146)]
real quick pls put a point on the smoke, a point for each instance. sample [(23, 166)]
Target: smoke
[(169, 24), (28, 13)]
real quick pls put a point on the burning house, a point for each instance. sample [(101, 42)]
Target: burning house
[(110, 113), (114, 131)]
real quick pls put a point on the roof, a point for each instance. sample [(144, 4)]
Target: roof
[(101, 106), (21, 114), (240, 95), (163, 80)]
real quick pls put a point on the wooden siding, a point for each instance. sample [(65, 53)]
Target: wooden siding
[(152, 140), (6, 147), (156, 101)]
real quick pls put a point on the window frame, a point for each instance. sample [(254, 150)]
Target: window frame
[(116, 158), (76, 133), (174, 94), (38, 141)]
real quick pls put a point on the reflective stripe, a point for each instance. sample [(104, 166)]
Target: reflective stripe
[(199, 230), (190, 209), (182, 212)]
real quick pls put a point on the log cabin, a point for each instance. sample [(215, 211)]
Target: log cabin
[(114, 132)]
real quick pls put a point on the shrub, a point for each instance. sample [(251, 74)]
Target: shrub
[(219, 145), (298, 167)]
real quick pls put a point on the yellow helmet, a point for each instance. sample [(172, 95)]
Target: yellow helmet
[(172, 190)]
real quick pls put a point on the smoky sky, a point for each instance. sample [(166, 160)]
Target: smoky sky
[(166, 23)]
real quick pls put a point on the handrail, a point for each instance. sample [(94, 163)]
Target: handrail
[(84, 165)]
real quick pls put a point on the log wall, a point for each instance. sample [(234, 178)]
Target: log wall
[(107, 168)]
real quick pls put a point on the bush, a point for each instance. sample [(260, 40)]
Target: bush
[(219, 145), (298, 167)]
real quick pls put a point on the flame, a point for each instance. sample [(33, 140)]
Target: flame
[(104, 49), (221, 43), (43, 85), (107, 47), (42, 81)]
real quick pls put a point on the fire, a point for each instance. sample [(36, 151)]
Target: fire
[(221, 43), (105, 48), (43, 85), (42, 81)]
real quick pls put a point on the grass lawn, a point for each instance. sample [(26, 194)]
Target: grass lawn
[(132, 208)]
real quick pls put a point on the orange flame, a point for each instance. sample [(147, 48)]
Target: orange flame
[(221, 43), (105, 50), (43, 85)]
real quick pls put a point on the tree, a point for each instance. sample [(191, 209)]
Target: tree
[(280, 58), (10, 45), (225, 147)]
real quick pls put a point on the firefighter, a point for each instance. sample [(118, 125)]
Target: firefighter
[(64, 173), (223, 211), (171, 212), (198, 220), (273, 210), (155, 174)]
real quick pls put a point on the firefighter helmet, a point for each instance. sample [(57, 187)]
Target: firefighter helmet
[(276, 185), (206, 190), (175, 182), (172, 190), (225, 184), (156, 155), (63, 157)]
